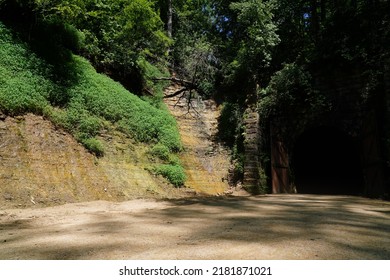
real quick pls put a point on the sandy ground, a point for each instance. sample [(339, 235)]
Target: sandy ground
[(264, 227)]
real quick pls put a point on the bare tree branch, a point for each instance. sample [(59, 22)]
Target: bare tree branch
[(176, 93), (186, 83)]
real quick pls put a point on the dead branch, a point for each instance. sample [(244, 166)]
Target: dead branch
[(185, 83), (187, 86), (176, 93)]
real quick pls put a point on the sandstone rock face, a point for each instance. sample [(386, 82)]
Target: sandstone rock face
[(205, 160), (41, 165)]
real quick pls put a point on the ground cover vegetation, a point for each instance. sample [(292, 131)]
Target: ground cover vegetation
[(239, 52), (43, 75)]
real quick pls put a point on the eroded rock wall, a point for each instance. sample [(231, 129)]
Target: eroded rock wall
[(41, 165), (205, 160)]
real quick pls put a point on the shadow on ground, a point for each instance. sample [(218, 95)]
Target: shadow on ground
[(264, 227)]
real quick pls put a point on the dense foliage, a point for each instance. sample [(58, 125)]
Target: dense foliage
[(116, 36), (83, 102)]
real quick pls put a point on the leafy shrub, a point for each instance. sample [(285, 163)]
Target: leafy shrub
[(94, 146), (174, 173), (174, 160), (161, 151), (90, 125)]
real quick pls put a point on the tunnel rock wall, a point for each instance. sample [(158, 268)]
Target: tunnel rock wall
[(355, 111)]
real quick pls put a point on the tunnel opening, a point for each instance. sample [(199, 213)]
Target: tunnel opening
[(326, 161)]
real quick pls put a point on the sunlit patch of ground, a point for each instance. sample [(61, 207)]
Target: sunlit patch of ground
[(263, 227)]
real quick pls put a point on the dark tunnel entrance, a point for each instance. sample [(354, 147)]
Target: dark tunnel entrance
[(326, 161)]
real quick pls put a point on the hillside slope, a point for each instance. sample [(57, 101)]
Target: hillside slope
[(68, 133), (41, 165)]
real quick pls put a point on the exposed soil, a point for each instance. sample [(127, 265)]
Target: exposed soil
[(41, 165), (263, 227)]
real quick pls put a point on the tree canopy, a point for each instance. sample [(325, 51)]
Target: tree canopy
[(218, 44)]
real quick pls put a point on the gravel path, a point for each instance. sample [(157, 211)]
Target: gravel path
[(263, 227)]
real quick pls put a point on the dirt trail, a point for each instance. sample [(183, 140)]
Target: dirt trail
[(264, 227)]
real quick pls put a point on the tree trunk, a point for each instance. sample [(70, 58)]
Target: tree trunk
[(170, 16)]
